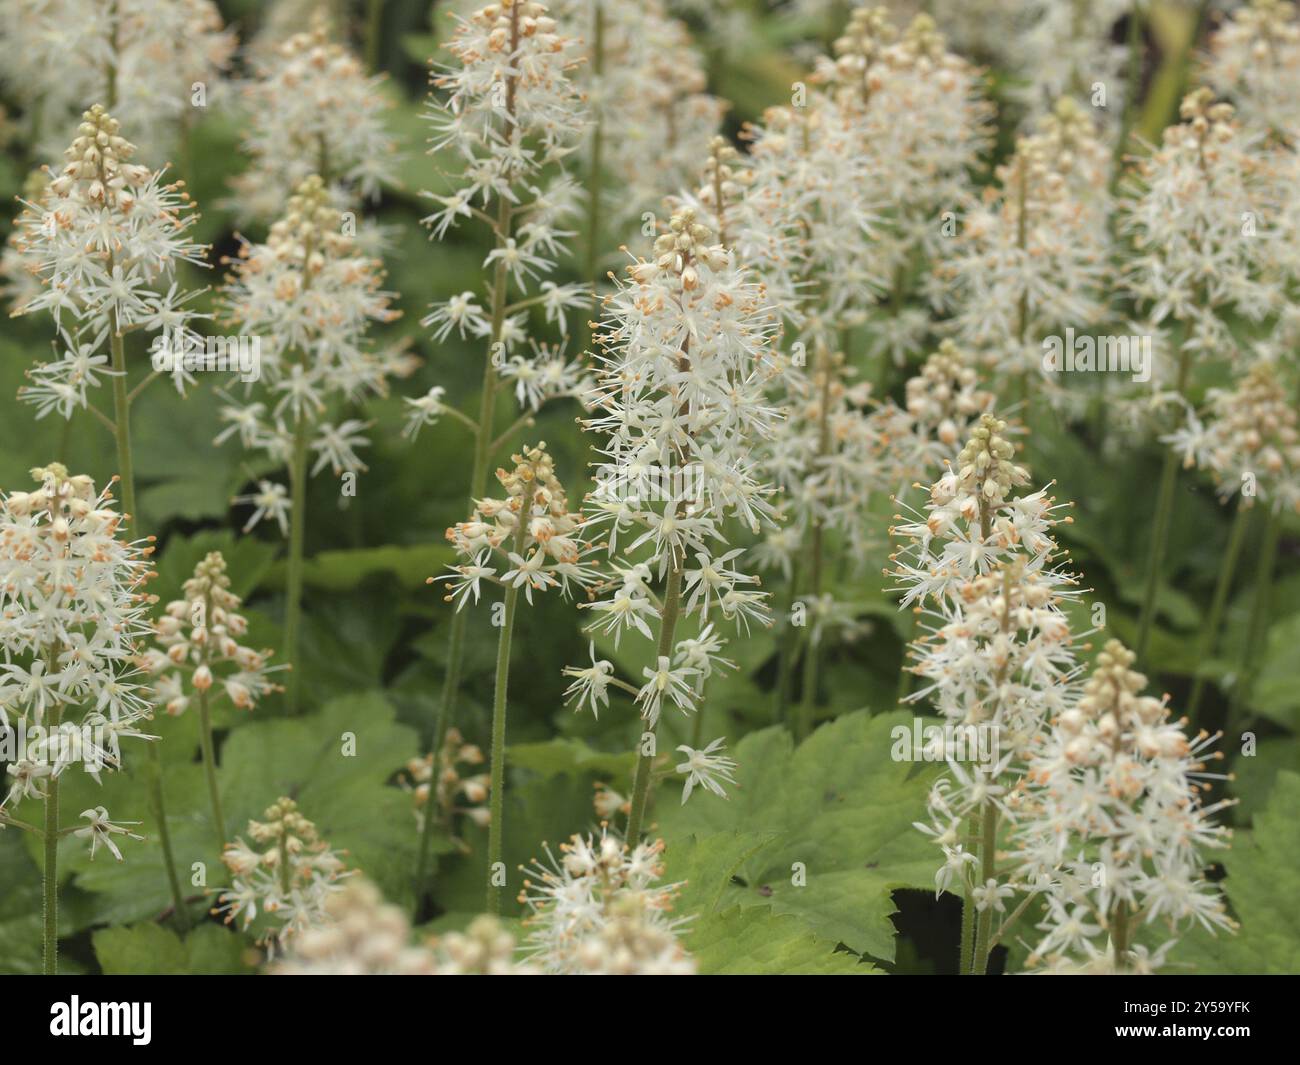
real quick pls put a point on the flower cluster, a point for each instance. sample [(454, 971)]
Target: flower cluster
[(287, 876), (942, 403), (104, 239), (1028, 261), (973, 523), (921, 119), (456, 792), (510, 113), (1255, 60), (679, 395), (646, 90), (312, 110), (1111, 826), (537, 538), (364, 936), (72, 611), (598, 909), (1249, 441), (199, 649), (309, 295), (148, 57), (1200, 220)]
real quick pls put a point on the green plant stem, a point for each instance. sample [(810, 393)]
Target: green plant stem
[(126, 472), (1214, 620), (1119, 935), (498, 757), (1160, 534), (210, 769), (787, 652), (297, 537), (988, 869), (478, 485), (968, 913), (374, 33), (50, 875), (816, 565), (904, 674), (1255, 630), (595, 176), (645, 759), (1134, 90)]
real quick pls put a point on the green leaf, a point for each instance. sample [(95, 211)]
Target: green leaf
[(841, 812), (336, 765), (755, 941), (570, 758), (150, 949), (1263, 884), (339, 571)]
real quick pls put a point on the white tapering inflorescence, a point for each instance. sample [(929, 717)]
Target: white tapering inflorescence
[(973, 523), (312, 110), (281, 883), (309, 295), (648, 96), (1203, 217), (362, 935), (1028, 261), (104, 239), (529, 540), (72, 614), (686, 355), (598, 909), (160, 63), (456, 790), (503, 119), (1248, 441), (1112, 828), (197, 646), (1254, 59)]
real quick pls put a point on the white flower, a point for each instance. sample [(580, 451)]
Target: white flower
[(706, 768), (425, 410), (102, 830), (271, 500), (590, 685)]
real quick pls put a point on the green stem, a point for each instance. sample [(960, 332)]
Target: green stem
[(1133, 92), (968, 913), (787, 647), (645, 760), (210, 769), (988, 868), (595, 177), (1258, 620), (904, 674), (126, 472), (1160, 535), (1119, 935), (297, 534), (50, 879), (374, 27), (498, 758), (1210, 634)]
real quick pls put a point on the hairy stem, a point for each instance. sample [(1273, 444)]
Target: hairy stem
[(645, 759), (50, 876), (297, 536)]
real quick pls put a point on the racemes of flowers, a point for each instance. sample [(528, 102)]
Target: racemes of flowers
[(530, 541), (104, 239), (364, 936), (1254, 60), (456, 790), (1248, 440), (198, 659), (942, 403), (503, 118), (146, 58), (686, 354), (1066, 48), (1028, 261), (1200, 214), (309, 295), (311, 109), (645, 85), (1112, 827), (599, 909), (922, 124), (72, 612), (509, 113), (281, 883), (995, 657)]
